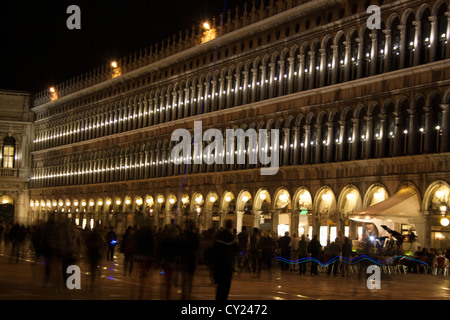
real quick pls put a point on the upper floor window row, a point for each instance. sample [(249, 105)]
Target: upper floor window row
[(402, 42)]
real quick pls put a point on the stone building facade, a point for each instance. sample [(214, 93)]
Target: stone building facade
[(362, 114), (16, 141)]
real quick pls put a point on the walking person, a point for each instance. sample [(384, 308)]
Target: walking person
[(111, 241), (346, 256), (243, 239), (285, 250), (128, 248), (268, 250), (314, 249), (255, 251), (302, 254), (294, 251), (95, 246), (190, 244), (334, 251), (145, 245), (224, 250)]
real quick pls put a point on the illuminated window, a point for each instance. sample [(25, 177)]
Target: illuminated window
[(8, 152)]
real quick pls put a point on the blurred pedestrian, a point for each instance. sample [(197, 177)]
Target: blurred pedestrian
[(145, 245), (128, 248), (224, 251), (111, 241), (95, 246), (294, 251), (314, 249), (334, 251), (255, 251), (268, 250), (190, 244), (285, 251), (346, 256), (302, 254), (168, 254), (243, 239)]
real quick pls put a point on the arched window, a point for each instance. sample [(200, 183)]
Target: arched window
[(328, 72), (347, 136), (380, 54), (353, 56), (340, 60), (376, 133), (394, 61), (425, 41), (367, 53), (409, 41), (8, 152), (316, 70), (442, 21), (307, 70), (361, 139)]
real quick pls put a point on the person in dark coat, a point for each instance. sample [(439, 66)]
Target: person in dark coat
[(145, 246), (283, 244), (224, 252), (314, 249), (111, 241), (190, 246)]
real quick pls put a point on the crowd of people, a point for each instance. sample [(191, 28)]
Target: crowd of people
[(176, 252)]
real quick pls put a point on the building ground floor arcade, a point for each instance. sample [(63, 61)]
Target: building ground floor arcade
[(320, 199)]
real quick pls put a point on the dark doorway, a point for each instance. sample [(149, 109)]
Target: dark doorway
[(7, 213)]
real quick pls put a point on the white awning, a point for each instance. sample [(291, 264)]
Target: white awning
[(401, 207)]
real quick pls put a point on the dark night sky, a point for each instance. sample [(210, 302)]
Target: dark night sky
[(37, 50)]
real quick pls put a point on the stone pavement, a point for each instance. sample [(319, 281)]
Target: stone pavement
[(23, 280)]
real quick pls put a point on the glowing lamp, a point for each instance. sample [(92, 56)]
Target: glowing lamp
[(445, 222)]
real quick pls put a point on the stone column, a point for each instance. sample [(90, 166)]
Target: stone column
[(447, 51), (445, 128), (253, 84), (434, 38), (374, 52), (383, 136), (347, 61), (411, 133), (330, 142), (355, 139), (360, 58), (342, 141), (417, 46), (323, 65), (290, 76), (271, 79), (296, 146), (397, 136), (387, 50), (369, 137), (245, 88), (307, 157), (301, 73), (403, 45)]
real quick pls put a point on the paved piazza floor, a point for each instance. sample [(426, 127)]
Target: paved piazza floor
[(23, 280)]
